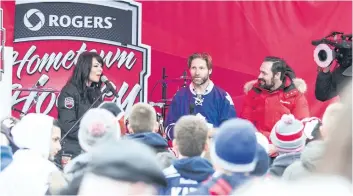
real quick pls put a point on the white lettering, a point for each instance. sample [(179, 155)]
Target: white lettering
[(40, 107), (77, 23), (53, 20), (67, 60), (65, 21), (98, 22), (129, 100), (176, 191), (187, 181), (41, 100), (107, 20), (81, 21), (88, 22)]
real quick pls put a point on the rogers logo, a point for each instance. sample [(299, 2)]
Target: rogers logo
[(65, 21), (30, 14), (81, 21)]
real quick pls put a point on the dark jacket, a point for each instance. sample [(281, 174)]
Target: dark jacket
[(282, 161), (185, 175), (71, 107), (331, 84), (154, 140)]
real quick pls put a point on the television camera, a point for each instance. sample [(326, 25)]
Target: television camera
[(337, 46)]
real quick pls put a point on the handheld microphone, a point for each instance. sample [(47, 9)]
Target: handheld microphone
[(109, 85)]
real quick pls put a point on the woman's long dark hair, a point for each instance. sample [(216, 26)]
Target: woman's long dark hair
[(80, 75)]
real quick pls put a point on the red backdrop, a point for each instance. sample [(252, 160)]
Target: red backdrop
[(238, 35)]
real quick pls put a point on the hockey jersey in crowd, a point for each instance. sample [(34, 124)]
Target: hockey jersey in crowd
[(185, 175), (215, 105), (222, 184)]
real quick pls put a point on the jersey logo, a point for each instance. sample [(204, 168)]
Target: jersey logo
[(198, 99), (69, 102)]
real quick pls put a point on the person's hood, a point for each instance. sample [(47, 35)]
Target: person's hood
[(77, 166), (33, 132), (194, 168), (28, 173), (299, 83), (152, 139), (312, 154), (284, 160)]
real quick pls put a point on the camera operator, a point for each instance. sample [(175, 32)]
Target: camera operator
[(330, 84)]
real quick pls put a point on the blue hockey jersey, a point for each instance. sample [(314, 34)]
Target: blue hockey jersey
[(215, 105), (222, 184), (185, 175)]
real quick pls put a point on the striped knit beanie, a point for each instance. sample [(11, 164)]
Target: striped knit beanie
[(288, 134)]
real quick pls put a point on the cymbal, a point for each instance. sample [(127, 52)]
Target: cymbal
[(50, 90), (165, 100), (177, 79)]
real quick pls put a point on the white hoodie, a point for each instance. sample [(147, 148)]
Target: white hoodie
[(30, 169)]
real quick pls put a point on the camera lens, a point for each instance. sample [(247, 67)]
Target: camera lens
[(322, 55)]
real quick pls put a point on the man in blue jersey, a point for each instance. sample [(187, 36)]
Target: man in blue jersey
[(201, 97)]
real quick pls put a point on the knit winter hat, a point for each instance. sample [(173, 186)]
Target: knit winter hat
[(113, 108), (97, 126), (288, 134), (235, 146)]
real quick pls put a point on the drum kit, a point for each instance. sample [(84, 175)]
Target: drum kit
[(164, 102)]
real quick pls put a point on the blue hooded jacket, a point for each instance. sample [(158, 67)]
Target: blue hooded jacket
[(185, 175), (153, 140)]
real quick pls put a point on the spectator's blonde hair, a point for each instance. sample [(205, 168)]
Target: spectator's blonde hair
[(142, 118), (191, 135)]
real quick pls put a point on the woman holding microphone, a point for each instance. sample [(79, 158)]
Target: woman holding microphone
[(81, 92)]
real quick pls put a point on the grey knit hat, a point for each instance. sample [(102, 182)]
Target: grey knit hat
[(97, 126), (288, 134), (127, 160)]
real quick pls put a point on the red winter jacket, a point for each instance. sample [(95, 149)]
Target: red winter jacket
[(264, 108)]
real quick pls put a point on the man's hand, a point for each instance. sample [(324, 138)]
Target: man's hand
[(326, 69)]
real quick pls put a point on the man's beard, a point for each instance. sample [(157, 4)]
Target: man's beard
[(203, 80), (265, 85)]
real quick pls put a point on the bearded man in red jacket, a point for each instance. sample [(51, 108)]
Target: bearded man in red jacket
[(276, 92)]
